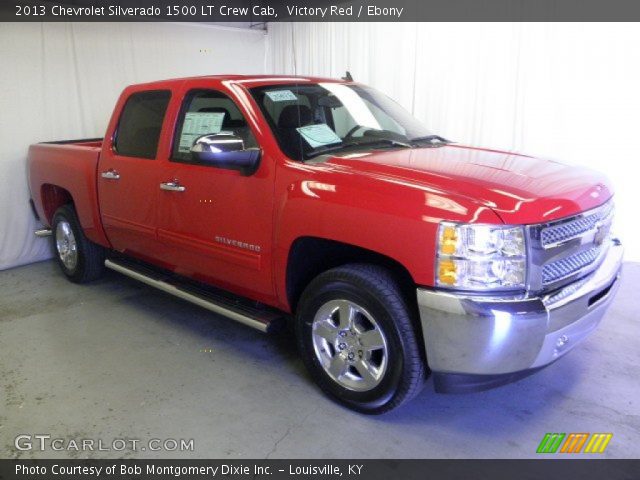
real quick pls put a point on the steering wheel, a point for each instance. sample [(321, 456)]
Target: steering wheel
[(353, 130)]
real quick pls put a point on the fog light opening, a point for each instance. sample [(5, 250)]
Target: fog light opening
[(562, 341)]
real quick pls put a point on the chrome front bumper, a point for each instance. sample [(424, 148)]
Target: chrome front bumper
[(478, 342)]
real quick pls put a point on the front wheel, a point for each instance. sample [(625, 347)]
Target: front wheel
[(357, 339)]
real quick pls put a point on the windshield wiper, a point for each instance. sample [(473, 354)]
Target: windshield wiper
[(380, 142), (434, 140)]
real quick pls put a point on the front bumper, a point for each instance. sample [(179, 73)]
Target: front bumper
[(479, 342)]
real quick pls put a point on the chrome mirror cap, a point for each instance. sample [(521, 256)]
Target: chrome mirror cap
[(218, 143), (226, 150)]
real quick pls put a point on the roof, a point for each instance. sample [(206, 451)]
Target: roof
[(246, 80)]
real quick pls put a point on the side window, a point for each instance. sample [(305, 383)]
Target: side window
[(140, 124), (207, 112)]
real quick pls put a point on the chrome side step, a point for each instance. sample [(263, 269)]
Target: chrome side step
[(264, 319), (45, 232)]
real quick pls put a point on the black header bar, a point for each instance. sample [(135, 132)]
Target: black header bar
[(547, 469), (260, 11)]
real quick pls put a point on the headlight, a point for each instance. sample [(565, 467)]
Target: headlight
[(481, 257)]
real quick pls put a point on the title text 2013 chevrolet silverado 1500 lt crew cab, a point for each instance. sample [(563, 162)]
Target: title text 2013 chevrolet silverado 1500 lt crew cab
[(395, 252)]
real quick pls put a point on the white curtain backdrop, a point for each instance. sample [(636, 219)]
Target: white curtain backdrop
[(60, 81), (562, 90)]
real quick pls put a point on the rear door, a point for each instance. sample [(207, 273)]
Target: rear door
[(128, 174)]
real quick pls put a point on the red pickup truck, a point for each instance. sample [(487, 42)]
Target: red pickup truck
[(394, 252)]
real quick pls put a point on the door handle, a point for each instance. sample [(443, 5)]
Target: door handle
[(173, 186), (111, 174)]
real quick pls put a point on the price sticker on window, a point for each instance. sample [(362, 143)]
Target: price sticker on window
[(197, 124), (281, 96), (319, 135)]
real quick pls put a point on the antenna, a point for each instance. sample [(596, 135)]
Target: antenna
[(348, 77)]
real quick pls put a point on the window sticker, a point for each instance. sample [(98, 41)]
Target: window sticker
[(281, 95), (197, 124), (319, 135)]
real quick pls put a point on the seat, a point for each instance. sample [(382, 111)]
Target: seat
[(291, 118), (295, 116)]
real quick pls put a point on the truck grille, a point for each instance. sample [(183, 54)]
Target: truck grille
[(554, 271), (574, 227), (564, 249)]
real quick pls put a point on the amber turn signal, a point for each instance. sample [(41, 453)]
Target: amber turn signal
[(448, 241), (447, 272)]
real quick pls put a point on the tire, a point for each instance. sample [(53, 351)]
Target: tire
[(80, 259), (379, 345)]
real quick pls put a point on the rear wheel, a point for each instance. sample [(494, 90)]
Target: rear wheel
[(80, 259), (357, 339)]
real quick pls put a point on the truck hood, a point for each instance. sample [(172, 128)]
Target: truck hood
[(518, 188)]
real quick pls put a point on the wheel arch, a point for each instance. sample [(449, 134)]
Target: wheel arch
[(53, 197), (310, 256)]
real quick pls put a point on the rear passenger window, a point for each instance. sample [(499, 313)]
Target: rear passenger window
[(140, 124), (207, 112)]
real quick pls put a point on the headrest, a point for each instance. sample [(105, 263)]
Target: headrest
[(294, 116)]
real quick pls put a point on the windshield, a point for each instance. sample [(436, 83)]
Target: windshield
[(315, 118)]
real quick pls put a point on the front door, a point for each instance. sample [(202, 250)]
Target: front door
[(215, 223)]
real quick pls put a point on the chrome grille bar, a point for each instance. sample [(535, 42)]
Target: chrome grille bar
[(555, 271), (565, 230)]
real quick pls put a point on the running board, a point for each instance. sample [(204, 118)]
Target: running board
[(45, 232), (261, 317)]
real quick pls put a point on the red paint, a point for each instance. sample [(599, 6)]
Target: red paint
[(389, 202)]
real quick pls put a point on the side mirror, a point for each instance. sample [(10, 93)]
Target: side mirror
[(226, 150)]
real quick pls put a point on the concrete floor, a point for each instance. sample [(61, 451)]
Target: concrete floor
[(116, 359)]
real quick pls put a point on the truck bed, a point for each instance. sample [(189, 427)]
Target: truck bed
[(65, 171)]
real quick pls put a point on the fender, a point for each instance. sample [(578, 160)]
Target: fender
[(382, 214)]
